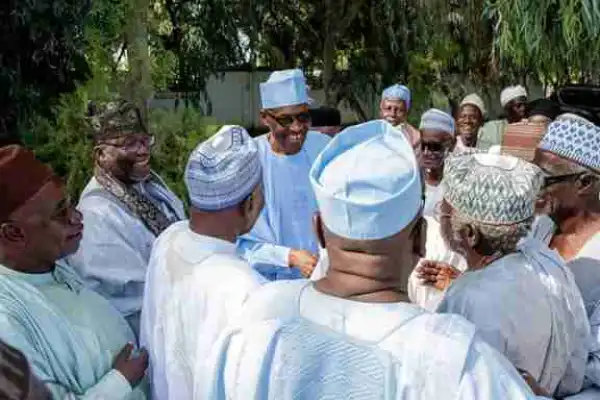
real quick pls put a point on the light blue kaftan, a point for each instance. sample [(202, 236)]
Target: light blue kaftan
[(295, 342), (286, 221), (69, 334), (538, 321), (116, 245)]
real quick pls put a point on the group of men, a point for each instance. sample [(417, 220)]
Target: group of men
[(456, 260)]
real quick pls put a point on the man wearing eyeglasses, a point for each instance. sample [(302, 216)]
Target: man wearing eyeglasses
[(282, 244), (125, 206), (438, 135), (569, 154)]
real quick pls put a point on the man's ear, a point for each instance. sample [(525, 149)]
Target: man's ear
[(453, 145), (318, 228), (586, 184), (99, 153), (470, 235), (11, 233), (263, 118)]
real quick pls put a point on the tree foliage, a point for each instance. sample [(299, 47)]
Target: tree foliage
[(42, 56), (559, 41)]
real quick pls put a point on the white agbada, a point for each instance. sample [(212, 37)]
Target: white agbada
[(584, 267), (436, 249), (195, 286), (116, 245), (286, 221), (294, 340), (529, 326), (433, 195)]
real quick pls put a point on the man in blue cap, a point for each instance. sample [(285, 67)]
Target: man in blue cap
[(196, 282), (354, 334), (282, 244)]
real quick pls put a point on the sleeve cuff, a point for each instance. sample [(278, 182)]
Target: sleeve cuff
[(114, 385), (283, 254)]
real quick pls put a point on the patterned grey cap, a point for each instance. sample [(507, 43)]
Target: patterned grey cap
[(491, 189), (224, 170), (574, 139), (116, 119)]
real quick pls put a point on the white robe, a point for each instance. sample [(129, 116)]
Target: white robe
[(433, 195), (586, 269), (428, 296), (116, 245), (195, 285), (69, 334), (534, 326), (585, 266), (286, 220), (295, 342)]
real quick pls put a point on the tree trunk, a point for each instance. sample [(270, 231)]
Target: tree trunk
[(328, 55), (139, 85)]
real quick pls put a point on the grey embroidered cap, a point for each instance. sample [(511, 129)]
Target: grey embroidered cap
[(574, 139), (224, 170), (491, 189)]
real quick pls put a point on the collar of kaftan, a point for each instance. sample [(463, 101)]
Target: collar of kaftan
[(193, 247), (151, 215)]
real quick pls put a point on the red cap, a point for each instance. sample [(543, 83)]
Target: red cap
[(21, 177)]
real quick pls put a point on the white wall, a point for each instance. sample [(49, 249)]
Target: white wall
[(235, 98)]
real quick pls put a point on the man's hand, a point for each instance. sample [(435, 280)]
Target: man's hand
[(533, 384), (133, 369), (304, 260), (437, 274)]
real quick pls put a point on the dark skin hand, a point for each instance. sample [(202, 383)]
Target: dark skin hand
[(533, 384), (132, 368), (437, 274)]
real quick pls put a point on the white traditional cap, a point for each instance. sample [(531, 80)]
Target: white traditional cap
[(439, 120), (397, 92), (224, 170), (474, 100), (575, 140), (284, 88), (511, 93), (367, 182), (490, 188)]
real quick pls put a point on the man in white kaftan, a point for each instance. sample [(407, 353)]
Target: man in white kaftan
[(125, 206), (75, 341), (282, 244), (438, 138), (196, 283), (568, 154), (538, 321), (353, 334)]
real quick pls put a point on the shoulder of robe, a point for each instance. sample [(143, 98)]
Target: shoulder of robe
[(273, 300), (318, 139)]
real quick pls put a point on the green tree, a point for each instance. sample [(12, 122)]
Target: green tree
[(556, 41), (42, 56)]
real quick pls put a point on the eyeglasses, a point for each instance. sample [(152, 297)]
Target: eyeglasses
[(435, 147), (287, 120), (552, 180), (132, 142)]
